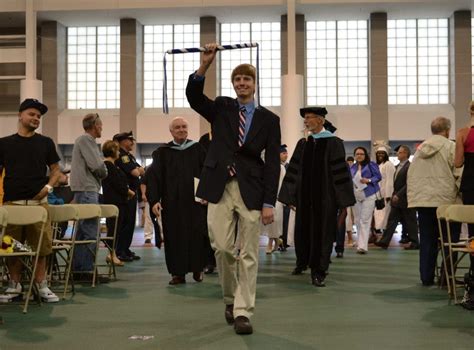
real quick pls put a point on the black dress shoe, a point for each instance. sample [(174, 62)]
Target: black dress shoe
[(318, 281), (381, 244), (372, 238), (84, 277), (102, 279), (126, 258), (133, 255), (229, 314), (404, 240), (198, 276), (242, 325), (298, 270), (412, 246), (339, 255), (177, 280), (209, 269)]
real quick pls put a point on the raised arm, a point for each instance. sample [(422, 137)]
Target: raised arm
[(207, 58), (195, 88)]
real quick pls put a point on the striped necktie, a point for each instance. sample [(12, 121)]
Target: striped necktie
[(242, 121)]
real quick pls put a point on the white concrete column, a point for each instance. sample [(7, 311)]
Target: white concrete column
[(292, 87), (292, 99), (291, 33), (30, 87)]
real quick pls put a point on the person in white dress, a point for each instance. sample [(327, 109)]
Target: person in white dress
[(275, 229), (387, 169)]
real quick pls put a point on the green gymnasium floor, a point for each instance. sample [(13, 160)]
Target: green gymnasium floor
[(370, 302)]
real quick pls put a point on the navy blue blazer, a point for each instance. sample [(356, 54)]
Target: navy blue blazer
[(257, 177)]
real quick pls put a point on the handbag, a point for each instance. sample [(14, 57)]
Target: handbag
[(379, 202)]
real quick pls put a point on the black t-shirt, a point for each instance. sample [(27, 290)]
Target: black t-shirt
[(26, 161)]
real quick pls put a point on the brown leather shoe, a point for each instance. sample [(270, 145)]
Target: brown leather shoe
[(242, 325), (177, 280), (229, 313)]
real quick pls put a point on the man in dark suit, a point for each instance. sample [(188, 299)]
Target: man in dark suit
[(238, 184), (398, 202)]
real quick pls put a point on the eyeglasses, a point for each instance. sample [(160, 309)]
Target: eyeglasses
[(360, 154)]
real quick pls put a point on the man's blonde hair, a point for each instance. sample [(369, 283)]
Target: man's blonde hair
[(244, 69)]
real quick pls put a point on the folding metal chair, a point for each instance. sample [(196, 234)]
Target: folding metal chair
[(109, 211), (61, 247), (23, 216), (84, 212), (463, 214), (441, 216), (3, 225)]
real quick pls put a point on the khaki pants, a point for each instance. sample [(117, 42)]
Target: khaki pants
[(238, 287), (31, 233)]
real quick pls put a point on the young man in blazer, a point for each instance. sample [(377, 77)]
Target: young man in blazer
[(239, 185), (399, 205)]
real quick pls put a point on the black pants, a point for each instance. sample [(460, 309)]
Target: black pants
[(429, 233), (340, 238), (406, 215), (120, 242), (286, 222), (468, 198), (128, 227)]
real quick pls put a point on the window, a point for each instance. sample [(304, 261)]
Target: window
[(337, 63), (157, 40), (93, 69), (268, 36), (418, 61)]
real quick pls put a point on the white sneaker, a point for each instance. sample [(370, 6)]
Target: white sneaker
[(46, 294), (13, 291)]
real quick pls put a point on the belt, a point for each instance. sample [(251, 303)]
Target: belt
[(30, 201)]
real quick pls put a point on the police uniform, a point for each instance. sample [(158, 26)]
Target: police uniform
[(127, 163)]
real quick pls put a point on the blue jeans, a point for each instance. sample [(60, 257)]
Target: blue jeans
[(86, 230)]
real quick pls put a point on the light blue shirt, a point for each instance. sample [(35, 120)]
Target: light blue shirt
[(249, 111)]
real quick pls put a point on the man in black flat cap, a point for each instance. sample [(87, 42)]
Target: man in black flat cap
[(133, 170), (318, 183)]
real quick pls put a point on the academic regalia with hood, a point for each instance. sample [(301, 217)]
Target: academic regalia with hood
[(318, 183), (170, 181)]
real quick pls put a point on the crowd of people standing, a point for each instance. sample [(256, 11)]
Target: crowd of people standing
[(215, 197)]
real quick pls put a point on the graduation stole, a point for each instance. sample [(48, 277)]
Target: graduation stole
[(323, 135), (185, 145)]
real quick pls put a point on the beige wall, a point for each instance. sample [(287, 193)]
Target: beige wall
[(353, 122)]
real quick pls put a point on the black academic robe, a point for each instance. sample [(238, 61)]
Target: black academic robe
[(318, 182), (170, 181)]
